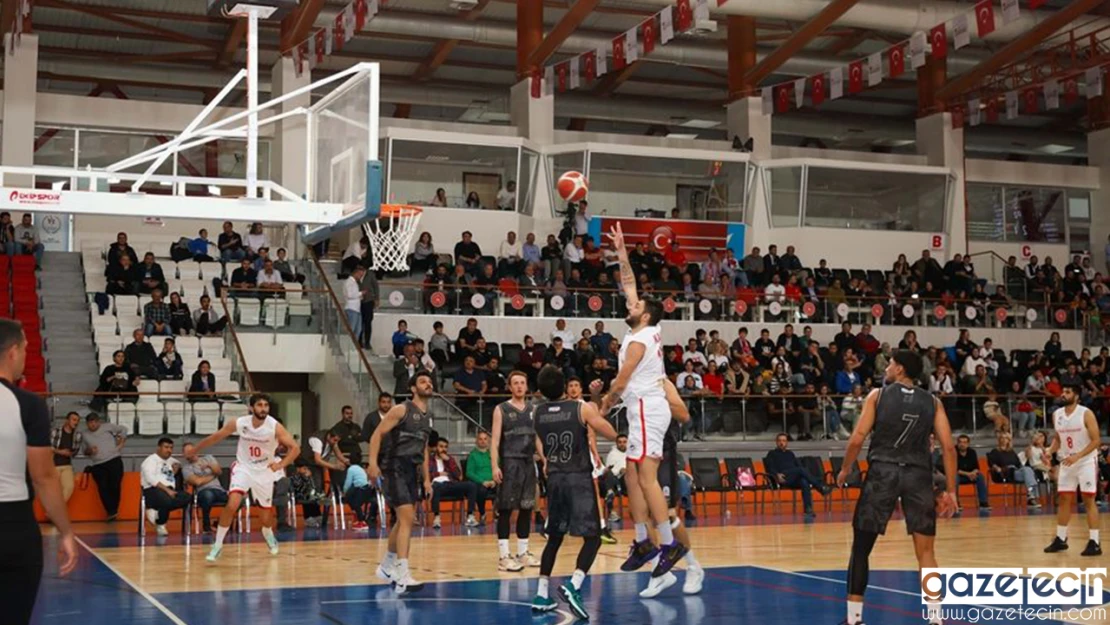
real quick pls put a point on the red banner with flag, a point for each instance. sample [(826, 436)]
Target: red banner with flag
[(360, 14), (648, 32), (537, 84), (562, 70), (685, 18), (818, 94), (590, 63), (897, 61), (984, 17), (782, 98), (1071, 91), (320, 34), (992, 110), (938, 36), (337, 32), (618, 53), (855, 77), (1031, 100)]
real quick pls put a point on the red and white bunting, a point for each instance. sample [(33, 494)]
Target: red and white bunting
[(562, 77), (874, 69), (1011, 105), (855, 77), (836, 83), (961, 32), (338, 30), (974, 114), (701, 11), (897, 56), (992, 110), (631, 46), (330, 39), (684, 21), (648, 32), (348, 23), (666, 25), (1071, 91), (321, 43), (1010, 11), (767, 100), (918, 42), (984, 17), (1093, 79), (818, 94), (1036, 4), (938, 38), (619, 53), (602, 61), (589, 63), (800, 92), (1051, 94), (782, 98), (549, 80), (575, 73), (310, 52), (298, 60), (1031, 100)]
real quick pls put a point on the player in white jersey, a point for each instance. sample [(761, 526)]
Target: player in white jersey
[(1076, 445), (640, 385), (256, 467)]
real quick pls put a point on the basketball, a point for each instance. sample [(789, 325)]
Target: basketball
[(573, 186)]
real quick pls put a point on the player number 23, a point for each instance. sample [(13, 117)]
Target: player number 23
[(559, 446), (911, 420)]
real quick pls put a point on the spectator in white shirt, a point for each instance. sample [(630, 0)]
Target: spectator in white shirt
[(355, 254), (506, 198), (573, 255), (269, 280), (612, 481), (158, 479), (510, 264), (692, 353), (255, 240), (352, 296), (689, 373), (582, 219), (775, 291), (562, 332), (973, 361)]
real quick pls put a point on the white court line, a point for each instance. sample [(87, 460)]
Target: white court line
[(142, 593), (568, 618)]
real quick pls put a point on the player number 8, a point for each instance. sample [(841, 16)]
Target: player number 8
[(1069, 443)]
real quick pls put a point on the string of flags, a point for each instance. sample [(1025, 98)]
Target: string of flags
[(330, 39), (627, 48), (23, 11)]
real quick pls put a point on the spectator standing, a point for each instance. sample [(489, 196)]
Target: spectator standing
[(66, 442), (158, 478), (27, 240), (103, 444), (352, 296), (447, 482), (787, 471), (349, 434), (371, 293), (230, 244), (203, 474), (1006, 467)]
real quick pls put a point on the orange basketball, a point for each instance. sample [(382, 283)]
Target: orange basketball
[(573, 186)]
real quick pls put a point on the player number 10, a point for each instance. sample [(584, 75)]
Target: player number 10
[(256, 452)]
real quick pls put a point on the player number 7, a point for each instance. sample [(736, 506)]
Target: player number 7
[(911, 420)]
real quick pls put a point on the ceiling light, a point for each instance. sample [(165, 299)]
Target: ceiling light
[(682, 135), (700, 123), (1055, 148)]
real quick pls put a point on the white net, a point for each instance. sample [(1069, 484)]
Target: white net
[(390, 237)]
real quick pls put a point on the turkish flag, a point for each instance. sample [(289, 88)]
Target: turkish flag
[(685, 16), (782, 98), (618, 53), (1071, 91), (855, 77), (648, 32), (818, 89), (897, 61), (561, 72), (1036, 4), (590, 70), (957, 116), (298, 57), (992, 110), (938, 36), (984, 17), (337, 32), (1031, 101), (360, 14), (319, 46), (537, 84)]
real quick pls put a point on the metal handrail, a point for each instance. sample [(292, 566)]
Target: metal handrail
[(343, 320), (235, 341)]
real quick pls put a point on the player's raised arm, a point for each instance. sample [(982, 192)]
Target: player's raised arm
[(227, 430), (1091, 424), (855, 443), (628, 277), (389, 421), (597, 423), (495, 445), (285, 439)]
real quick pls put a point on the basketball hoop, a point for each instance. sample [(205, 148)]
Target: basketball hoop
[(390, 236)]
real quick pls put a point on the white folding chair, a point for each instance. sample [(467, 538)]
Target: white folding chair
[(206, 417), (176, 420), (250, 311), (211, 347), (127, 305), (152, 418), (122, 414)]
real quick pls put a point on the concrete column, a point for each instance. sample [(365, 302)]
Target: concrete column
[(534, 118), (20, 87), (1098, 155), (943, 146), (744, 119), (287, 150)]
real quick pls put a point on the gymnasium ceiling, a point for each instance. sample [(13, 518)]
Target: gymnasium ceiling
[(442, 64)]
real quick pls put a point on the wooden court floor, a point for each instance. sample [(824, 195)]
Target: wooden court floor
[(774, 569)]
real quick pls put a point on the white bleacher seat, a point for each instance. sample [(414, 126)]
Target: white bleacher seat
[(128, 324), (300, 308), (250, 311), (143, 301), (105, 326), (210, 270), (122, 414), (127, 305), (177, 419), (211, 347), (206, 417), (192, 287), (151, 419), (274, 313)]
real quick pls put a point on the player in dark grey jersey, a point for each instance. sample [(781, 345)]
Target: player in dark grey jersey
[(562, 436), (404, 459), (512, 454), (899, 419)]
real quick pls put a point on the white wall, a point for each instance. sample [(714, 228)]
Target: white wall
[(787, 151), (332, 390), (852, 249), (488, 227), (513, 329), (1031, 174), (290, 353), (110, 112)]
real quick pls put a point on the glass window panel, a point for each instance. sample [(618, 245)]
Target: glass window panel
[(1034, 214), (985, 213), (559, 164), (700, 189), (786, 196), (529, 179), (1079, 205), (56, 146), (418, 169), (875, 200)]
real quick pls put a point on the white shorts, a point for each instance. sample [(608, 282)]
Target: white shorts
[(1083, 476), (258, 482), (648, 420)]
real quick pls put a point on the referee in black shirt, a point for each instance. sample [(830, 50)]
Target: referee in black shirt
[(26, 459)]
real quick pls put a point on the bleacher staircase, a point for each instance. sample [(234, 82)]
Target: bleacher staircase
[(66, 327)]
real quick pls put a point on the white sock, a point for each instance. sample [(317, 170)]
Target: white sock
[(389, 562), (1094, 536), (268, 533), (221, 531), (855, 612), (521, 546), (641, 532), (1062, 532), (541, 590), (503, 547), (402, 570), (577, 578), (666, 534), (691, 560), (932, 610)]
